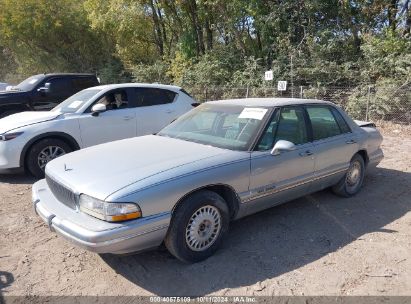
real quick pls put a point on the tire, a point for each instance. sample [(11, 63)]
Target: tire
[(352, 181), (39, 151), (208, 208)]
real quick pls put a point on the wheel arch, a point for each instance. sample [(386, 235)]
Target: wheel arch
[(225, 191), (363, 153), (70, 140)]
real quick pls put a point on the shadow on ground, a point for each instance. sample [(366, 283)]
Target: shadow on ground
[(276, 241), (17, 178), (6, 279)]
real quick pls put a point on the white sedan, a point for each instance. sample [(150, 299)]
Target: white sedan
[(93, 116)]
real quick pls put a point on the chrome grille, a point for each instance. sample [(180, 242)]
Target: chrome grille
[(63, 194)]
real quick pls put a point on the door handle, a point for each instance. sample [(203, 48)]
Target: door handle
[(351, 141), (169, 111), (128, 117), (306, 153)]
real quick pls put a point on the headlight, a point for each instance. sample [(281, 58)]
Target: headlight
[(111, 212), (10, 136)]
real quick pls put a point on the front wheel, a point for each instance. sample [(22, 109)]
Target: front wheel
[(352, 181), (43, 152), (198, 227)]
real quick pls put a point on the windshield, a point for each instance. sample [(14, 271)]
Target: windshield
[(224, 126), (75, 102), (28, 84)]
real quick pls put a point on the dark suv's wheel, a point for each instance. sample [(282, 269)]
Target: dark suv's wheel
[(352, 181), (198, 227), (44, 151)]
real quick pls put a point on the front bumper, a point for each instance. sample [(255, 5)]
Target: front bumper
[(96, 235), (10, 152)]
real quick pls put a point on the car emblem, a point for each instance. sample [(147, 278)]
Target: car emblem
[(67, 169)]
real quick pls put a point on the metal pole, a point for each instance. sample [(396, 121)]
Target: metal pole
[(292, 82), (246, 94), (301, 91), (368, 103)]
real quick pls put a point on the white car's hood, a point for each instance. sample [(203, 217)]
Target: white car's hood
[(24, 119), (102, 170)]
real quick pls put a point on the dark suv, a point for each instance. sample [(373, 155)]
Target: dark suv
[(43, 92)]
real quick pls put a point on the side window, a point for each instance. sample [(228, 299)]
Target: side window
[(151, 97), (341, 121), (323, 122), (59, 87), (291, 126), (81, 83), (287, 124), (115, 100)]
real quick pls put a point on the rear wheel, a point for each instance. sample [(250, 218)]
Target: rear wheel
[(43, 152), (198, 227), (352, 181)]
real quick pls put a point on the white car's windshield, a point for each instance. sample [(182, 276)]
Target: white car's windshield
[(224, 126), (75, 102)]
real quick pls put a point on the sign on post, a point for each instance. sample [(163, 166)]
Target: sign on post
[(268, 75), (282, 85)]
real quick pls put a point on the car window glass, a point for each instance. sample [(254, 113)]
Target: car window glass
[(267, 139), (341, 122), (146, 97), (114, 100), (323, 122), (76, 101), (59, 87), (81, 83), (291, 126), (228, 127)]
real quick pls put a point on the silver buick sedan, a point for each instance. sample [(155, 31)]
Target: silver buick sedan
[(217, 163)]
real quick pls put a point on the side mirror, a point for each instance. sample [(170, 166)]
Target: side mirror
[(98, 108), (282, 146)]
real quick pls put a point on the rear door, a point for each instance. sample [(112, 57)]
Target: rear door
[(118, 122), (275, 179), (155, 109), (334, 145)]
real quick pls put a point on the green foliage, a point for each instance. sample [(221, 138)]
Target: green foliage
[(50, 36), (206, 44)]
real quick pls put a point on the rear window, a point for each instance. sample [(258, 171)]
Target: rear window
[(81, 83), (323, 122), (341, 121), (146, 97)]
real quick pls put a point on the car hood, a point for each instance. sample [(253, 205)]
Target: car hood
[(11, 96), (102, 170), (24, 119)]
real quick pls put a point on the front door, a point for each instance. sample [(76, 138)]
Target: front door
[(59, 89), (278, 178), (118, 122)]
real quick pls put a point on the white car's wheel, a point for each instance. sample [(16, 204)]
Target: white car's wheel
[(198, 226), (43, 152)]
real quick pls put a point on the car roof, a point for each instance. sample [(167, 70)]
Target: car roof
[(136, 85), (69, 74), (63, 74), (269, 102)]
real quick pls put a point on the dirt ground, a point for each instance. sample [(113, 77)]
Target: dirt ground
[(317, 245)]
